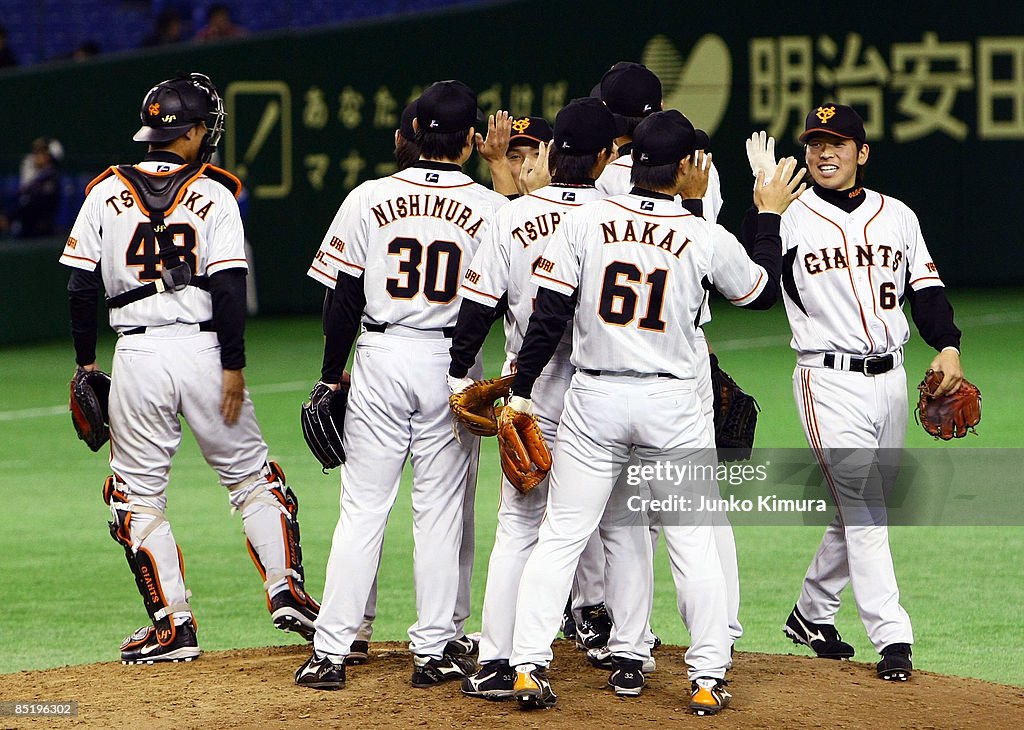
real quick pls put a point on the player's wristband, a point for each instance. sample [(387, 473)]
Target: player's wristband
[(950, 347)]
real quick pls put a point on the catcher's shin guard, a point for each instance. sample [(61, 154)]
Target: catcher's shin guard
[(153, 556), (270, 519)]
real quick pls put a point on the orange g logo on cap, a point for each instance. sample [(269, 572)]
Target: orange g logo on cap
[(521, 125), (154, 109), (825, 113)]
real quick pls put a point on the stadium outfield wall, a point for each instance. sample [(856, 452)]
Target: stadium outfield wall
[(312, 114)]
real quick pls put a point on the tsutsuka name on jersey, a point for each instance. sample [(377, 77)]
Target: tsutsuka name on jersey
[(195, 202), (541, 226), (866, 255), (652, 235), (427, 205)]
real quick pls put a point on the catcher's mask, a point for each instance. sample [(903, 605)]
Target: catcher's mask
[(172, 107)]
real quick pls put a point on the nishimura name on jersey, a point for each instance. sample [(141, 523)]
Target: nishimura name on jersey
[(426, 205), (625, 232)]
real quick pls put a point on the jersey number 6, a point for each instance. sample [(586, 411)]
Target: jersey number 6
[(619, 301), (440, 282)]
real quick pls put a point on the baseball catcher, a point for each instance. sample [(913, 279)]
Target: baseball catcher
[(323, 424), (735, 416), (525, 457), (90, 391), (947, 416), (474, 407)]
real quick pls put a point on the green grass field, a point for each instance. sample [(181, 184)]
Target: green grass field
[(67, 597)]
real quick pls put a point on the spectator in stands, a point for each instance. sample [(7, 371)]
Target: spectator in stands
[(219, 25), (7, 57), (167, 29), (38, 199)]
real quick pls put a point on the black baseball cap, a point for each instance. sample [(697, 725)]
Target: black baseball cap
[(835, 119), (529, 130), (447, 106), (584, 127), (665, 138), (405, 126), (171, 108), (631, 89)]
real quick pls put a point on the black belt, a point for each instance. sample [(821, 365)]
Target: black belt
[(371, 327), (866, 365), (203, 327), (613, 372)]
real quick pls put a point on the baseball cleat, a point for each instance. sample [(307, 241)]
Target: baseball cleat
[(627, 677), (601, 658), (358, 653), (319, 672), (823, 639), (568, 626), (594, 627), (429, 671), (494, 681), (142, 647), (895, 665), (532, 689), (708, 695), (462, 646), (290, 614)]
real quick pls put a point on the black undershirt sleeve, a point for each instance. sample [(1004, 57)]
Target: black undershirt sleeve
[(471, 330), (551, 313), (766, 251), (695, 206), (341, 324), (83, 298), (227, 289), (933, 316)]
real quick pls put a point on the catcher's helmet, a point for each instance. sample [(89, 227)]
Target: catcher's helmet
[(172, 107)]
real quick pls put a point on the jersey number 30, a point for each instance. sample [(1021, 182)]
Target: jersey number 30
[(619, 298), (440, 276)]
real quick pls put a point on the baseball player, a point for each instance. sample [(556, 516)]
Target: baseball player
[(146, 229), (851, 255), (498, 282), (527, 136), (632, 92), (394, 256), (628, 270)]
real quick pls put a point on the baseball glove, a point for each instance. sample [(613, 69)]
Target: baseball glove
[(323, 423), (90, 392), (735, 416), (525, 457), (473, 407), (947, 416)]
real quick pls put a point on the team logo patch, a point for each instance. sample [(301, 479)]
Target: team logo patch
[(72, 242), (433, 177), (521, 125), (647, 205), (154, 109), (169, 118), (824, 113), (569, 195), (644, 157)]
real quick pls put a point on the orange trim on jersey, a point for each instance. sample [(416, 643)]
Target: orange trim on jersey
[(557, 281), (760, 278), (79, 258), (481, 293), (849, 270), (223, 261), (322, 273), (645, 214), (435, 187), (871, 284), (923, 278), (331, 255), (555, 202), (177, 199), (98, 179), (814, 436)]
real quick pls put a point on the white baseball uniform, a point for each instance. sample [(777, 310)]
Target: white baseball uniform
[(167, 364), (511, 246), (410, 236), (844, 280), (615, 180), (635, 264)]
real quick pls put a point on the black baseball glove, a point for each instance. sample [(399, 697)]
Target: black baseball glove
[(735, 416), (323, 424), (90, 392)]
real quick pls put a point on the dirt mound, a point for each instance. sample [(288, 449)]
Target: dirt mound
[(254, 688)]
